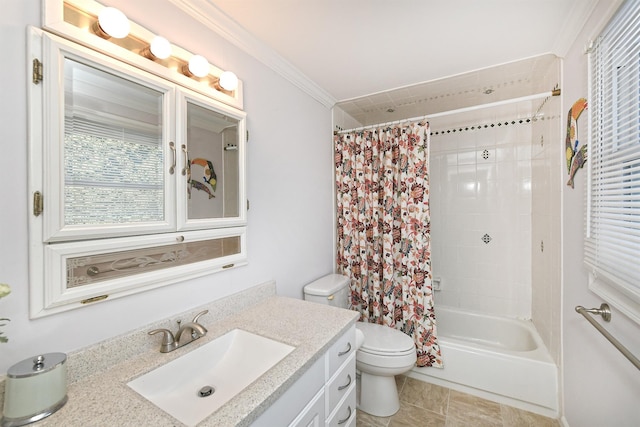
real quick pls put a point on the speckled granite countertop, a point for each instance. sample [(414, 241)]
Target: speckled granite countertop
[(104, 399)]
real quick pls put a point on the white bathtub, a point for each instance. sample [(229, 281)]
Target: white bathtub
[(496, 358)]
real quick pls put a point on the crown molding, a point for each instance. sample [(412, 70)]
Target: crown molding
[(573, 26), (205, 12)]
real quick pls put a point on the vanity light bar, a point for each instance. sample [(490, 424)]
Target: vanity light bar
[(197, 66), (111, 24), (160, 48)]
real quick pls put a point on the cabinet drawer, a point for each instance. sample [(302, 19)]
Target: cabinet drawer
[(340, 351), (345, 414), (296, 400), (313, 414), (341, 382)]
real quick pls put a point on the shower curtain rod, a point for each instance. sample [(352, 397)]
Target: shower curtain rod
[(554, 92)]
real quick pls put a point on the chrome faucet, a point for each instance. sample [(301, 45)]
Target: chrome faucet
[(171, 342), (197, 331)]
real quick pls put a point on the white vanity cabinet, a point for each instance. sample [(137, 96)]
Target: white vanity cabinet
[(325, 395)]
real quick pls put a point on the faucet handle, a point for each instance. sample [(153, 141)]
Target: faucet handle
[(195, 319), (168, 342)]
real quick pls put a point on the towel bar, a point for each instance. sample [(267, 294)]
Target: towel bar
[(605, 312)]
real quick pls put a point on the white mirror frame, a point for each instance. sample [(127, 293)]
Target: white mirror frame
[(49, 293)]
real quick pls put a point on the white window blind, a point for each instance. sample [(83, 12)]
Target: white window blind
[(612, 245), (113, 157)]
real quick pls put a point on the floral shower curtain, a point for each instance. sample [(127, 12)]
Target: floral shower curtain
[(382, 184)]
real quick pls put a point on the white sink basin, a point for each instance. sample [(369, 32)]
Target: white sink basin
[(227, 364)]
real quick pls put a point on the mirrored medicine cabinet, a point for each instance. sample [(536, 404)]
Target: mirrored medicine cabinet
[(137, 181)]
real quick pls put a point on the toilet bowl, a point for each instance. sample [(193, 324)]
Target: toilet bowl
[(385, 352)]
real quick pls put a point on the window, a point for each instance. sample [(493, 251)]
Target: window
[(612, 246), (143, 180)]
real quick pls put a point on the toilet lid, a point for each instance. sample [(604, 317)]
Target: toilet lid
[(383, 339)]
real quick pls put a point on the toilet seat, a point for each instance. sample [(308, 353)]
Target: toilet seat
[(388, 353), (382, 340), (385, 351)]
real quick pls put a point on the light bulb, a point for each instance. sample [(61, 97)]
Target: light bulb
[(160, 47), (228, 80), (198, 66), (114, 23)]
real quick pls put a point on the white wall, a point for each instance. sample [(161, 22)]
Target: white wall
[(601, 388), (472, 196), (289, 186)]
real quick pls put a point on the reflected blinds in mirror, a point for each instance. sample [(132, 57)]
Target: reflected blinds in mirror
[(113, 152)]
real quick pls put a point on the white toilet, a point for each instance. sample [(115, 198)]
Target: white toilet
[(385, 352)]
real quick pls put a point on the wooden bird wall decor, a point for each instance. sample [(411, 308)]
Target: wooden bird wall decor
[(576, 157)]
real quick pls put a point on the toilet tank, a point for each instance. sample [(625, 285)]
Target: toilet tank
[(332, 289)]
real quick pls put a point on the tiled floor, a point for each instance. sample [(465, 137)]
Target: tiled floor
[(428, 405)]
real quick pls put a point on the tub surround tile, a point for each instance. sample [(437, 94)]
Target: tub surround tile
[(99, 395), (484, 173)]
